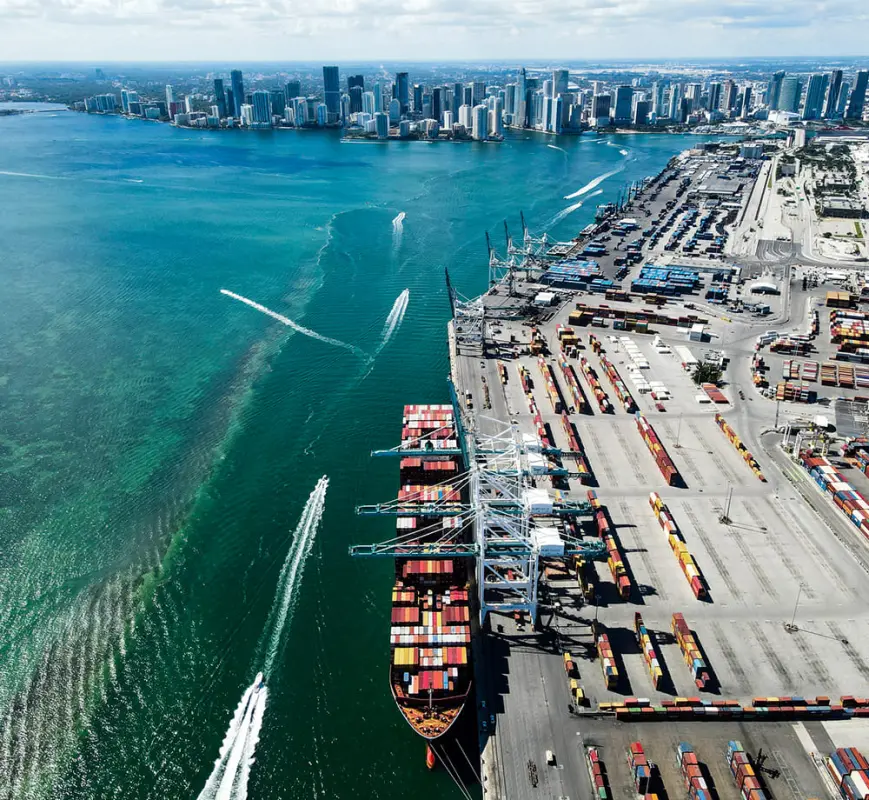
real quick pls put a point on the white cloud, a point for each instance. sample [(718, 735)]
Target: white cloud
[(386, 29)]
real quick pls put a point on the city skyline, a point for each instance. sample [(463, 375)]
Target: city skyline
[(88, 30)]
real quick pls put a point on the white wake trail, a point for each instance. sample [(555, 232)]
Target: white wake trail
[(593, 183), (395, 318), (231, 774), (570, 209), (553, 147), (397, 222), (294, 325), (291, 572)]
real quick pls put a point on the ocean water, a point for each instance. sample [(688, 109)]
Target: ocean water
[(159, 440)]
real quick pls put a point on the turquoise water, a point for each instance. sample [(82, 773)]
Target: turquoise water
[(158, 440)]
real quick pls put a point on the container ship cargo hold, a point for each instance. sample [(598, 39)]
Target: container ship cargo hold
[(430, 637)]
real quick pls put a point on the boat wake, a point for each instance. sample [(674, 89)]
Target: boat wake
[(592, 184), (553, 147), (295, 325), (231, 774), (395, 318), (570, 209), (397, 222), (625, 152)]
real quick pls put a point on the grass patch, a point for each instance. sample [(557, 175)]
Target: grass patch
[(858, 229)]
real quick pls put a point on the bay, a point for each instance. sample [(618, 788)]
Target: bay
[(158, 440)]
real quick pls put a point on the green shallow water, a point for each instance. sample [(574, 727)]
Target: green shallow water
[(158, 440)]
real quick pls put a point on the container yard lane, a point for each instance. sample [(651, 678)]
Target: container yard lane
[(726, 623)]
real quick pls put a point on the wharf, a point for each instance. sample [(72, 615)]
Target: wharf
[(779, 544)]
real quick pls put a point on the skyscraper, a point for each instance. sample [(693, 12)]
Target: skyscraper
[(381, 125), (641, 112), (437, 103), (368, 103), (730, 91), (789, 99), (262, 108), (675, 110), (292, 90), (600, 108), (556, 114), (237, 92), (560, 81), (278, 102), (833, 93), (858, 96), (843, 99), (355, 99), (401, 86), (417, 98), (479, 91), (521, 113), (170, 96), (773, 91), (747, 100), (458, 98), (480, 122), (230, 103), (220, 97), (714, 96), (331, 90), (658, 99), (355, 80), (815, 92), (378, 96), (624, 96)]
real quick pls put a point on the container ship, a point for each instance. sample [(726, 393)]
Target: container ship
[(430, 638)]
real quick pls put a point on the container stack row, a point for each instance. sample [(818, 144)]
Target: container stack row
[(853, 504), (692, 775), (850, 772), (743, 772), (576, 450), (829, 376), (607, 661), (624, 396), (566, 335), (790, 369), (644, 640), (552, 389), (502, 372), (810, 371), (597, 773), (632, 319), (603, 401), (614, 557), (743, 451), (542, 436), (641, 768), (794, 392), (430, 426), (690, 650), (574, 389), (659, 453), (679, 547), (848, 326)]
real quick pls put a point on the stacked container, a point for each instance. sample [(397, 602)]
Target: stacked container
[(597, 772), (795, 392), (573, 386), (656, 448), (549, 382), (850, 772), (644, 640), (576, 450), (502, 372), (695, 783), (618, 385), (679, 547), (810, 371), (747, 780), (690, 650), (853, 504), (607, 662), (829, 375), (566, 335), (641, 769), (740, 446), (600, 395), (614, 556)]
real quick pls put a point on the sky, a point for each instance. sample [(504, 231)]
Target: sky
[(372, 30)]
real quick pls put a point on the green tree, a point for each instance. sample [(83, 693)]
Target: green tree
[(705, 372)]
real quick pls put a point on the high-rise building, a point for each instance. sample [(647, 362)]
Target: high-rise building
[(355, 80), (394, 111), (832, 104), (600, 108), (369, 105), (658, 105), (292, 90), (437, 103), (468, 96), (355, 99), (714, 96), (300, 111), (220, 98), (773, 91), (381, 125), (262, 108), (170, 96), (675, 109), (237, 85), (401, 91), (345, 107), (417, 99), (480, 122), (556, 119), (858, 96), (843, 99), (730, 91), (815, 91), (479, 91), (747, 98), (322, 114), (331, 90), (560, 81), (624, 96), (496, 119), (277, 102), (789, 99), (230, 103), (641, 112), (520, 102), (465, 117), (547, 89), (378, 96), (546, 113), (128, 96)]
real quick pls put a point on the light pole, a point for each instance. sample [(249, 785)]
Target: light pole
[(791, 626), (678, 433), (724, 519)]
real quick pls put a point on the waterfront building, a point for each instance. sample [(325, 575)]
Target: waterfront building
[(401, 85), (300, 112), (322, 114), (237, 85), (789, 99), (378, 96), (220, 98), (546, 113), (479, 122), (458, 98), (426, 106), (773, 91), (331, 90), (355, 96), (510, 98), (170, 95), (624, 96), (289, 116), (153, 112), (641, 112), (714, 96), (547, 89), (858, 96), (675, 110), (843, 99), (658, 106), (832, 105), (394, 111), (600, 110), (128, 96), (277, 101), (465, 117), (747, 93), (404, 127), (355, 80), (261, 109), (478, 92), (437, 103), (520, 101), (345, 108), (292, 90), (449, 119), (730, 93), (556, 119), (369, 105), (417, 99), (560, 81), (815, 91), (431, 128), (381, 125)]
